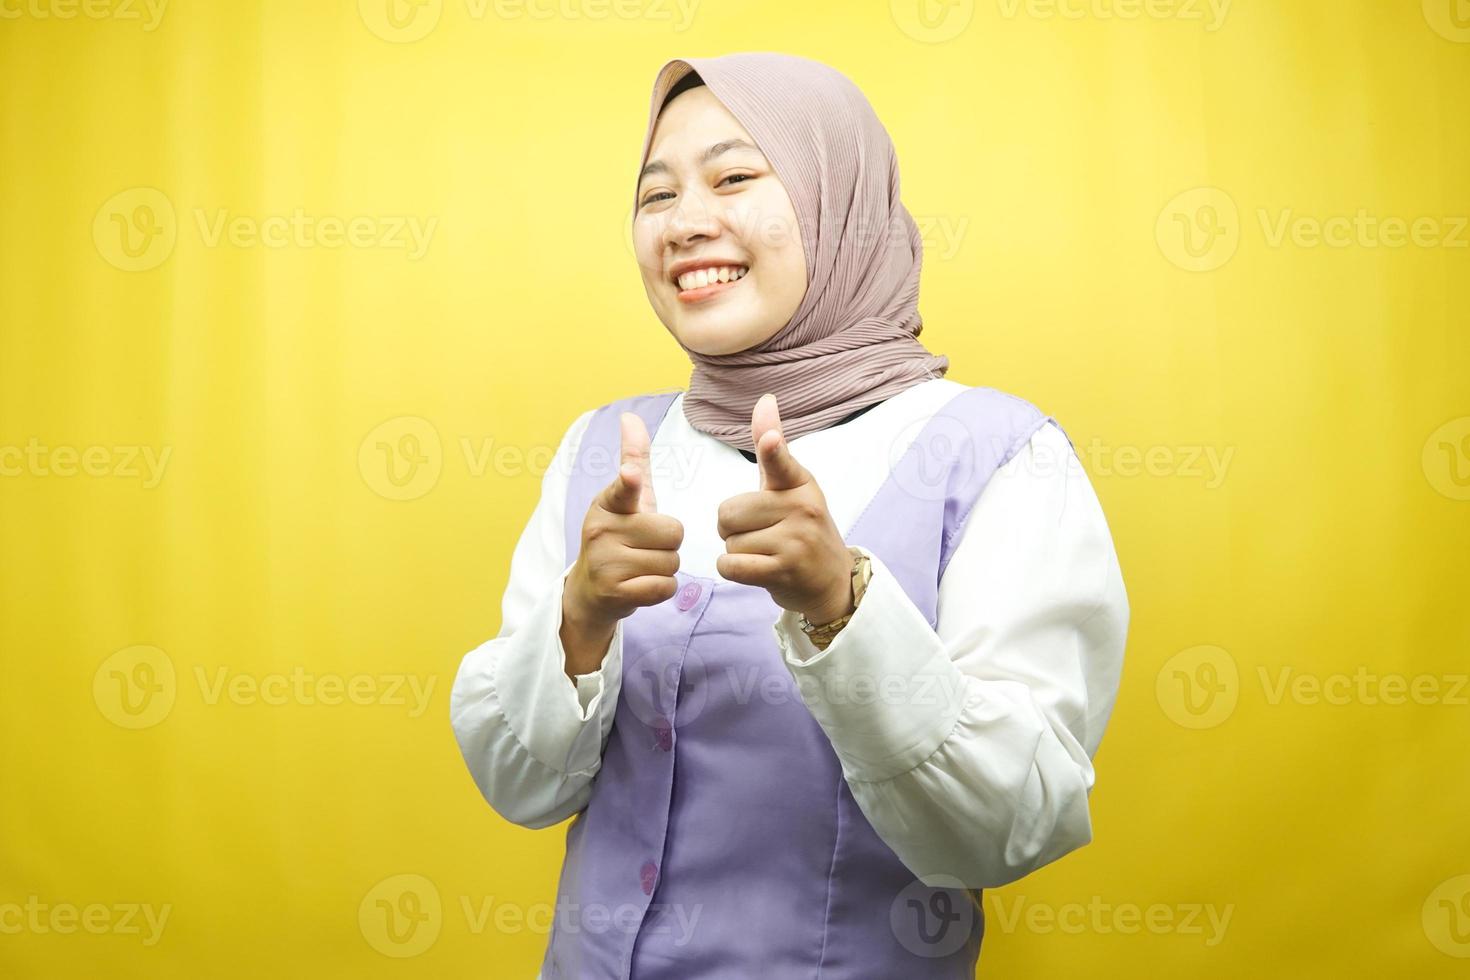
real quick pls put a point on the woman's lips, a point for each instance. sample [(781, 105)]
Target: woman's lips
[(705, 292)]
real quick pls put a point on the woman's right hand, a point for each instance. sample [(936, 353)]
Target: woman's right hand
[(628, 558)]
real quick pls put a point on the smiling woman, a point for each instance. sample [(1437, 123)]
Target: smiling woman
[(826, 313), (712, 214), (802, 726)]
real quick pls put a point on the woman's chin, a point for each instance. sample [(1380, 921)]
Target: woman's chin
[(717, 332)]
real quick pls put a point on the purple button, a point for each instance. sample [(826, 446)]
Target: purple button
[(663, 735), (646, 875), (688, 596)]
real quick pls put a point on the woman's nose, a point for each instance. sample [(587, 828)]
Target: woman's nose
[(691, 218)]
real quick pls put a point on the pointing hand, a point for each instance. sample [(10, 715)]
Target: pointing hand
[(782, 537)]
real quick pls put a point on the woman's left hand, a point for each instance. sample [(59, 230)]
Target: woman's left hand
[(782, 537)]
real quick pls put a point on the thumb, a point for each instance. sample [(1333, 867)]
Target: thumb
[(633, 488), (779, 469)]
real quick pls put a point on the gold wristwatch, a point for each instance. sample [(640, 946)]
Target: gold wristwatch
[(862, 572)]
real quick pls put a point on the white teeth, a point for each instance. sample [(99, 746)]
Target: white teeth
[(704, 277)]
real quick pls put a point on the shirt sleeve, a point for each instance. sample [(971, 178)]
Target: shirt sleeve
[(969, 748), (532, 738)]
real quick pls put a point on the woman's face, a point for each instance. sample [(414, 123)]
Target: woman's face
[(708, 200)]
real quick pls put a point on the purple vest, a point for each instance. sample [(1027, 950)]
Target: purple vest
[(721, 840)]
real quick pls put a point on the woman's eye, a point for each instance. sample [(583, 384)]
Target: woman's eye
[(660, 195)]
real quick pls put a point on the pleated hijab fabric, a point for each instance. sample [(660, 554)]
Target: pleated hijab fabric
[(852, 341)]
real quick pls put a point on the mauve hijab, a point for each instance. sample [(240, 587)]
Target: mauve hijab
[(852, 341)]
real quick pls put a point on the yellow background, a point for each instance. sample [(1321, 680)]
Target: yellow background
[(1063, 151)]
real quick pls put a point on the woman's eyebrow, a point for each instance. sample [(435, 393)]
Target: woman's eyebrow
[(712, 151)]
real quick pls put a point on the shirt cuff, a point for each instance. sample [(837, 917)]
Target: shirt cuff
[(589, 686), (884, 690), (555, 717)]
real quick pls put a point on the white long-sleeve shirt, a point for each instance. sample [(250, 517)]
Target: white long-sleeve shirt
[(984, 785)]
